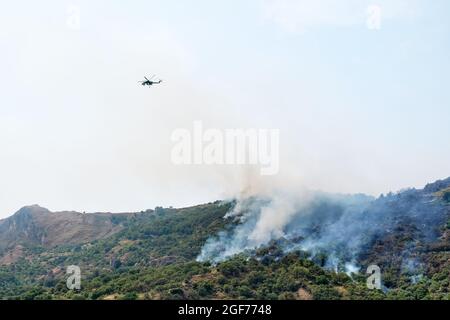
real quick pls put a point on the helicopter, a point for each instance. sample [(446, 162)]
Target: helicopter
[(150, 82)]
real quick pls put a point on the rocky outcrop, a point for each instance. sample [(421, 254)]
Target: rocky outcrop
[(37, 226)]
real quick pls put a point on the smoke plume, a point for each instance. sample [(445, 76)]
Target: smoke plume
[(341, 227)]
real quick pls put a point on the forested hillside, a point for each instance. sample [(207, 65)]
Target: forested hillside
[(156, 254)]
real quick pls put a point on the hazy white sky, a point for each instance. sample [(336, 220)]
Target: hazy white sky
[(358, 110)]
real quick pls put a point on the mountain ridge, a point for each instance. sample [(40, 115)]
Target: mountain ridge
[(153, 254), (35, 225)]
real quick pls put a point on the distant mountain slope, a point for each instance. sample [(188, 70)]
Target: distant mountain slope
[(37, 226)]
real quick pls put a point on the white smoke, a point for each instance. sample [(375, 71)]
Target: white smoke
[(256, 221), (337, 227)]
